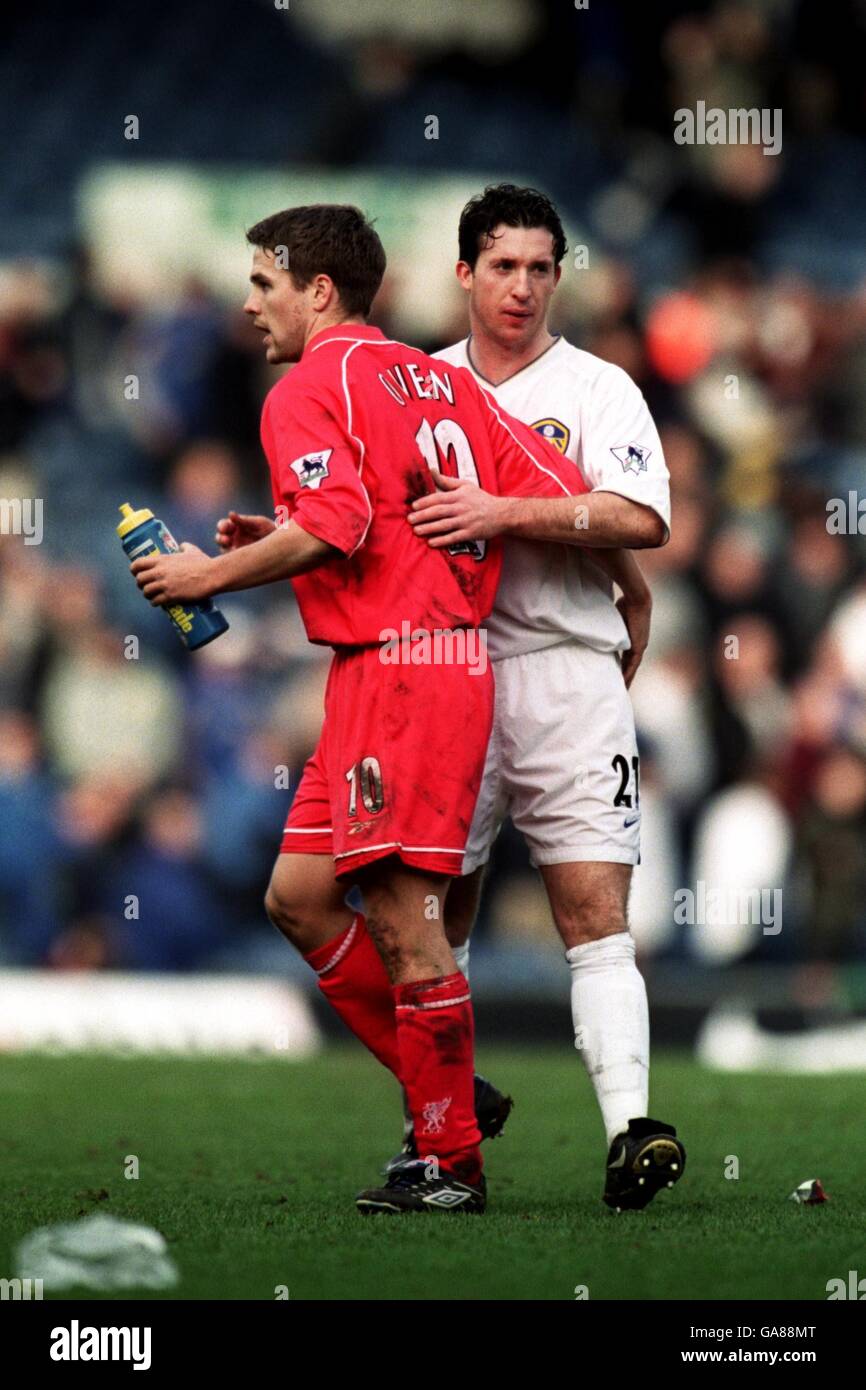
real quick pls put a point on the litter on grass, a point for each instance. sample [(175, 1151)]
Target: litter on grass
[(810, 1193), (99, 1252)]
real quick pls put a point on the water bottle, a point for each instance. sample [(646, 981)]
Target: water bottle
[(141, 534)]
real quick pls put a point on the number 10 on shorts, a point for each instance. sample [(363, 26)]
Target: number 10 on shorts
[(365, 777)]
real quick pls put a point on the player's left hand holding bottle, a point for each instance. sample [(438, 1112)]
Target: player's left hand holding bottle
[(186, 576)]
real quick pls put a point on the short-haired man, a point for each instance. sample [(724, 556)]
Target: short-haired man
[(563, 758)]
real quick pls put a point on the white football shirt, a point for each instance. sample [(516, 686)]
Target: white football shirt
[(595, 415)]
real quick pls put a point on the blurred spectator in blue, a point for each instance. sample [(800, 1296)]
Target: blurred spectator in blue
[(30, 909), (170, 912), (174, 354)]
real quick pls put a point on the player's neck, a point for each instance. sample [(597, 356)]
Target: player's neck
[(330, 321), (496, 361)]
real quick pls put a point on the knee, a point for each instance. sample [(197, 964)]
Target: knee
[(291, 915), (590, 919)]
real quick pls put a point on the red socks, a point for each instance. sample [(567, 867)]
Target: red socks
[(354, 981), (435, 1034), (422, 1032)]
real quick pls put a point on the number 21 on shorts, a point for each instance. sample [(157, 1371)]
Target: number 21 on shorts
[(621, 767)]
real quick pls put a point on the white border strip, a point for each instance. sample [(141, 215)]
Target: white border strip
[(438, 1004), (397, 844)]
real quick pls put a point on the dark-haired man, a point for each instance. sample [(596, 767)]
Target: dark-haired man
[(352, 435), (563, 759)]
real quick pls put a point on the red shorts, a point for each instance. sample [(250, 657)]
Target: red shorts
[(398, 764)]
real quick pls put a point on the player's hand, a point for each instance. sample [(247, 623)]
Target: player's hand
[(183, 577), (236, 530), (637, 615), (458, 511)]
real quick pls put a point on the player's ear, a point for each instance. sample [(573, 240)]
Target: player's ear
[(557, 274), (324, 292), (464, 273)]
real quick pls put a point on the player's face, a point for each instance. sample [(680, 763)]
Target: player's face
[(277, 308), (511, 284)]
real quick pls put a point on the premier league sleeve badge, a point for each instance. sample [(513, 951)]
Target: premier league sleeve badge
[(633, 457)]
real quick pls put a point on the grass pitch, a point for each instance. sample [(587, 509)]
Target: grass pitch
[(248, 1168)]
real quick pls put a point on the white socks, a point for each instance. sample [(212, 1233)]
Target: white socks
[(611, 1026), (461, 957)]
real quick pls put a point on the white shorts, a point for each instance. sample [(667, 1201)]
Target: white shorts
[(562, 760)]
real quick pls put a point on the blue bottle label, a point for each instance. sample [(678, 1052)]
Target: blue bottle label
[(195, 624)]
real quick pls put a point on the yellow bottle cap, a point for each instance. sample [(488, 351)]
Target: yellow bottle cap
[(132, 519)]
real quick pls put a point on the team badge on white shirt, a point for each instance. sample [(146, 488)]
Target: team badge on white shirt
[(555, 432)]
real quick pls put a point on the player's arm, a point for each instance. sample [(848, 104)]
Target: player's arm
[(635, 604), (191, 575), (462, 511), (629, 504), (315, 475)]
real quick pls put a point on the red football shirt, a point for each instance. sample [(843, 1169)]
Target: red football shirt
[(350, 434)]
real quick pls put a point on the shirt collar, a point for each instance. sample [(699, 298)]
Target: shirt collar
[(346, 332)]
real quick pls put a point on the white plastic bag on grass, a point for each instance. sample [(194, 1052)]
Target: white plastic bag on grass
[(97, 1252)]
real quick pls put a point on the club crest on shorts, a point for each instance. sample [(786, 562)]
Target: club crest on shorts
[(633, 457), (312, 468), (555, 432)]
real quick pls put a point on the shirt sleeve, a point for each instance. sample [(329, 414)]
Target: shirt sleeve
[(620, 449), (315, 469), (526, 465)]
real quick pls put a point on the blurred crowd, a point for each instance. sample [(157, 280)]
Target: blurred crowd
[(143, 792)]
